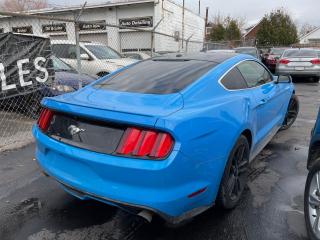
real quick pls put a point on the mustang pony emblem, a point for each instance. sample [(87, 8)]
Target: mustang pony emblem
[(75, 130)]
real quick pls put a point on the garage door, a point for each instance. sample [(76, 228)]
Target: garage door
[(94, 37), (135, 41), (59, 37)]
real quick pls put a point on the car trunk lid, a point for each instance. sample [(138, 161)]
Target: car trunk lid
[(300, 62), (122, 107)]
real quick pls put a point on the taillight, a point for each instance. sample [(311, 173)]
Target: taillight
[(145, 143), (315, 61), (284, 61), (45, 119)]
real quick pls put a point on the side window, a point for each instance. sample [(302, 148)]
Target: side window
[(66, 51), (233, 80), (254, 73)]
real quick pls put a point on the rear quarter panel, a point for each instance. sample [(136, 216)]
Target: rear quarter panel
[(206, 129)]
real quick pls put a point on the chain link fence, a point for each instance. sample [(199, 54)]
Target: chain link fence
[(77, 53), (75, 49)]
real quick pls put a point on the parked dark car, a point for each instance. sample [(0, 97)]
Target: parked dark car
[(272, 57), (250, 51), (312, 188), (67, 79)]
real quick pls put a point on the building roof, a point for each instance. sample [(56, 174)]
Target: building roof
[(250, 29), (88, 6)]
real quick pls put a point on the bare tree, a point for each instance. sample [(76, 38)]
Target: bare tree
[(306, 28), (225, 20), (22, 5)]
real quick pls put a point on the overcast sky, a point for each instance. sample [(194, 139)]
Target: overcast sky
[(302, 11)]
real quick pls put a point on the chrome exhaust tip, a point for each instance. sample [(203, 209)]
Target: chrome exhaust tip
[(146, 215)]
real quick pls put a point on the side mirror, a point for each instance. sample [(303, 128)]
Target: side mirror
[(283, 79), (84, 56)]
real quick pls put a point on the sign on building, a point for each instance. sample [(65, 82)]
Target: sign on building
[(24, 29), (92, 26), (54, 28), (136, 22)]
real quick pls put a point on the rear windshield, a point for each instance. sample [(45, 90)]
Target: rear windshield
[(300, 53), (157, 76)]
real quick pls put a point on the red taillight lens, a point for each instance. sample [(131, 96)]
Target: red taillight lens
[(145, 143), (315, 61), (45, 119), (162, 146), (284, 61), (129, 141)]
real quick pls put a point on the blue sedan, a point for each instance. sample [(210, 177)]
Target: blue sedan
[(171, 135), (312, 189), (67, 79)]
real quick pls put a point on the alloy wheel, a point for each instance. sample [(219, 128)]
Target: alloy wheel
[(291, 114), (238, 173), (314, 204)]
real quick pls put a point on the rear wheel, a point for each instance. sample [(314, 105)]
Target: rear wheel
[(312, 203), (292, 113), (235, 175)]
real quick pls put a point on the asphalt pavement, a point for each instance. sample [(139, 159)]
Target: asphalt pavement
[(34, 207)]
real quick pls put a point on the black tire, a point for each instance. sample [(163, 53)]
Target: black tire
[(292, 113), (309, 206), (235, 175)]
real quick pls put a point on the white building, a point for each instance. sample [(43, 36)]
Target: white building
[(312, 37), (144, 14)]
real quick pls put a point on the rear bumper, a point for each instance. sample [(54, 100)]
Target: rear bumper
[(304, 73), (158, 186)]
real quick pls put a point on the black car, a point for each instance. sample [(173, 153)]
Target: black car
[(312, 188), (271, 58)]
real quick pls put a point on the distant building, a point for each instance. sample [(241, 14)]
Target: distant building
[(312, 37), (251, 32), (144, 14)]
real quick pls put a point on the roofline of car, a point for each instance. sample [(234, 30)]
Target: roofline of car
[(242, 89)]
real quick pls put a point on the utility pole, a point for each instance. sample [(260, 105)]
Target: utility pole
[(77, 37), (182, 33), (206, 22), (205, 27), (199, 7)]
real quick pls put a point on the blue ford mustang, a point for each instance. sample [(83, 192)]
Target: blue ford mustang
[(170, 135)]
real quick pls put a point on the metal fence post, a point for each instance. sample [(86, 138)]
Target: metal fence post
[(187, 42), (77, 29), (152, 35)]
